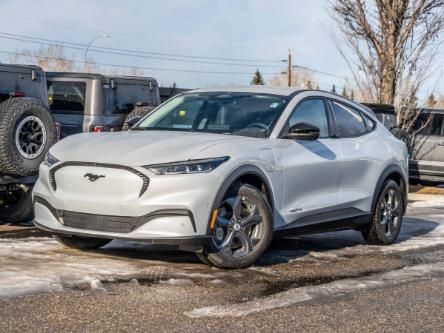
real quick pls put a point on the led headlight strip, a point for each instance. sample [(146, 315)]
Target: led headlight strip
[(187, 167)]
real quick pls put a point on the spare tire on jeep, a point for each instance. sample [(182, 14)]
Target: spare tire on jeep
[(139, 111), (27, 131), (402, 135)]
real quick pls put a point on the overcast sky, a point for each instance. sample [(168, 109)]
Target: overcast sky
[(244, 29)]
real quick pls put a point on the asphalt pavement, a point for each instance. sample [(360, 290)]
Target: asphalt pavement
[(327, 282)]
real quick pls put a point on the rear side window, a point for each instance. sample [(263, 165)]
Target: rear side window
[(126, 96), (349, 122), (64, 96)]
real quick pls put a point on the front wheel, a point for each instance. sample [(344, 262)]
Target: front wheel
[(387, 217), (16, 206), (82, 243), (242, 231)]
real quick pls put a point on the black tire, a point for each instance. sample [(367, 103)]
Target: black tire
[(17, 208), (204, 258), (138, 111), (380, 232), (402, 135), (82, 243), (15, 115), (250, 235)]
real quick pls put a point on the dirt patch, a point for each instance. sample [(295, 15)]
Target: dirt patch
[(419, 189)]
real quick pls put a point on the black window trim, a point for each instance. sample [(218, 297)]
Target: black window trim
[(361, 113), (330, 123)]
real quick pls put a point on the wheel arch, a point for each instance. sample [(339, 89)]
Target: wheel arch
[(246, 173), (395, 173)]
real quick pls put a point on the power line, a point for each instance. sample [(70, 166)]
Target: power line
[(138, 53), (320, 72), (145, 54), (118, 33), (135, 67)]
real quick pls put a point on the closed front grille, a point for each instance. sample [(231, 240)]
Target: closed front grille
[(107, 223), (53, 170)]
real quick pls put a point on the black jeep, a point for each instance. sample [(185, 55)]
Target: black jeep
[(27, 131), (387, 116)]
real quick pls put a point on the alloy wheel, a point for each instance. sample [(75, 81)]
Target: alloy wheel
[(238, 226), (390, 212), (30, 137)]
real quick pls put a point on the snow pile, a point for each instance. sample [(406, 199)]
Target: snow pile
[(311, 294), (435, 201), (34, 265)]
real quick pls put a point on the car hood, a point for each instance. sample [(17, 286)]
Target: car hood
[(137, 148)]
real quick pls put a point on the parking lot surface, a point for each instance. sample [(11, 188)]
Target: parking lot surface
[(326, 282)]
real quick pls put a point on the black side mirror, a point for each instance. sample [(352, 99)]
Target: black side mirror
[(302, 131), (133, 121)]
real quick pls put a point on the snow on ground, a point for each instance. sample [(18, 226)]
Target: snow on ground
[(424, 228), (311, 294), (437, 200), (34, 265)]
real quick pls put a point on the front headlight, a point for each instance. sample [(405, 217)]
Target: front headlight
[(49, 160), (187, 167)]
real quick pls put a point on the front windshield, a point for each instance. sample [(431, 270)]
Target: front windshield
[(246, 114)]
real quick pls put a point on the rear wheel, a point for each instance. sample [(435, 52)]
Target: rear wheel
[(387, 217), (243, 229), (82, 243)]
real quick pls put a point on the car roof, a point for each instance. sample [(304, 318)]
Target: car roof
[(98, 76), (282, 91), (14, 67), (426, 110), (381, 108), (260, 89)]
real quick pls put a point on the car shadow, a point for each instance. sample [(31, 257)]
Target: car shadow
[(318, 148), (282, 250), (290, 248)]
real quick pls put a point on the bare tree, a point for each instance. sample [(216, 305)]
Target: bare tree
[(299, 78), (393, 45), (431, 101), (53, 58), (440, 102), (50, 58)]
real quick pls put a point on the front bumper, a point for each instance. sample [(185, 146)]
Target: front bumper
[(57, 221), (170, 210)]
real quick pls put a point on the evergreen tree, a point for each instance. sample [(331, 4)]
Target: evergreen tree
[(257, 79), (308, 84), (344, 92), (333, 89), (352, 95), (317, 87)]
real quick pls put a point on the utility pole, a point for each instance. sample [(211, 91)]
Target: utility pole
[(289, 68)]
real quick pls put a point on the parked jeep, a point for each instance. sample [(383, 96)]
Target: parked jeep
[(84, 102), (427, 163), (387, 116), (27, 131)]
